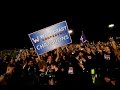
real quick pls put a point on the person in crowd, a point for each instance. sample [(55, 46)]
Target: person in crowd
[(67, 65), (42, 71), (8, 78), (29, 72)]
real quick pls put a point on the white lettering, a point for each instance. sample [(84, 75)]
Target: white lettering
[(53, 32), (42, 36), (36, 40), (65, 37), (53, 42), (40, 46)]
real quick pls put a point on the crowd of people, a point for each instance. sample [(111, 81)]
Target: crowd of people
[(88, 64)]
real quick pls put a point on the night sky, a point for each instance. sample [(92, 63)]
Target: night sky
[(16, 24)]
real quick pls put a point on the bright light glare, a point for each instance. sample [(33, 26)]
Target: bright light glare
[(70, 31), (111, 25)]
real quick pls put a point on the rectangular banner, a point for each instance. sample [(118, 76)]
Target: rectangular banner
[(50, 38)]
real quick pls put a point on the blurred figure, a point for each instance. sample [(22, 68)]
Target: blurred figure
[(42, 71), (55, 76), (12, 61), (8, 78), (29, 73)]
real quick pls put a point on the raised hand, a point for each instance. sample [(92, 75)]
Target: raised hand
[(111, 39)]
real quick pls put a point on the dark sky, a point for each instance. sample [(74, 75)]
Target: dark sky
[(16, 24)]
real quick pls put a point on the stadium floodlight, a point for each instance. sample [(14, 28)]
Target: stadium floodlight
[(70, 31), (111, 25)]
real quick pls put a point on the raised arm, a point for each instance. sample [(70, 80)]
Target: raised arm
[(113, 43), (98, 48), (57, 55)]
